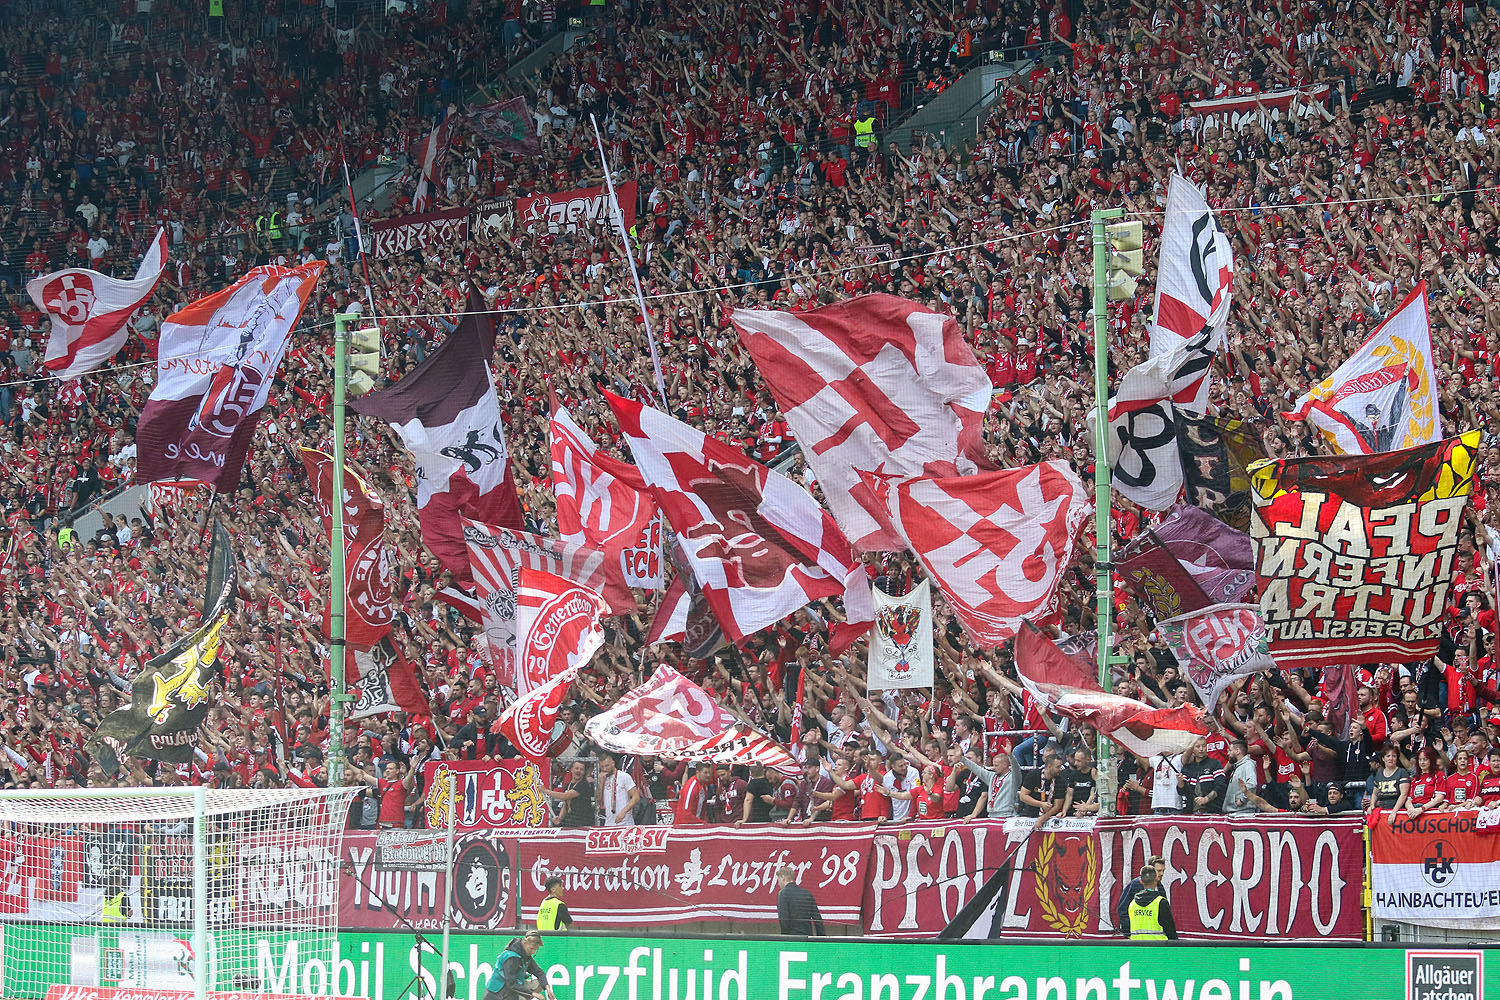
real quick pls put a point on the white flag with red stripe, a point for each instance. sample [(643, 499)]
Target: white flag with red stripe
[(1193, 283), (559, 625), (669, 716), (430, 158), (1067, 685), (758, 543), (602, 502), (876, 384), (497, 557), (997, 543), (89, 310)]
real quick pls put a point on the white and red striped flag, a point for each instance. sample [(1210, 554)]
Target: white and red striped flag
[(669, 716), (498, 557), (758, 544), (876, 384), (430, 159), (607, 510), (89, 310), (1193, 282), (559, 625), (1067, 685), (997, 543)]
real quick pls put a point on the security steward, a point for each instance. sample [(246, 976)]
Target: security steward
[(553, 914), (517, 975), (1149, 912)]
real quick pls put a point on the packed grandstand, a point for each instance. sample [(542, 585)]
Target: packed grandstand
[(762, 158)]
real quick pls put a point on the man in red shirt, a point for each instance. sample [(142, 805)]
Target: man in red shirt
[(1488, 792), (692, 802), (873, 805)]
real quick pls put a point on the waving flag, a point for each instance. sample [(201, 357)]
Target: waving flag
[(900, 649), (671, 717), (430, 159), (609, 512), (876, 384), (1143, 429), (384, 682), (498, 556), (1384, 398), (446, 412), (1064, 684), (758, 544), (559, 624), (89, 310), (216, 360), (507, 124), (996, 543), (1193, 282), (368, 571), (1217, 644), (1187, 562)]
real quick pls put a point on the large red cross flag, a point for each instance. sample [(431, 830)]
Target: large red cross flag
[(89, 310), (758, 544), (997, 543), (1193, 283), (607, 512), (876, 384), (216, 360), (1066, 684), (669, 716), (446, 413), (559, 634)]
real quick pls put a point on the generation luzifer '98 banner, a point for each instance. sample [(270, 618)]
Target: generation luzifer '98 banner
[(1354, 553)]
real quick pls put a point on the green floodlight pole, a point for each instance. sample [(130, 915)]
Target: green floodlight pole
[(1103, 566), (338, 697)]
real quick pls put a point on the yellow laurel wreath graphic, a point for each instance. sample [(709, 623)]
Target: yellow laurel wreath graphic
[(1419, 402), (1070, 925), (439, 801), (1164, 597)]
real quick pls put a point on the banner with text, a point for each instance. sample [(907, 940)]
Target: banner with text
[(1268, 109), (1270, 877), (389, 237), (1437, 869), (566, 211), (484, 793)]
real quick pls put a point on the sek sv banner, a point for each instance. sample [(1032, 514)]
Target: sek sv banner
[(1259, 877)]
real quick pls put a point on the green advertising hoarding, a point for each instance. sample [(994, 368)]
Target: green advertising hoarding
[(387, 966)]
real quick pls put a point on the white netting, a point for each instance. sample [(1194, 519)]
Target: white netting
[(103, 890)]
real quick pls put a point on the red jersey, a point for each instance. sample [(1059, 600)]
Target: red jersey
[(873, 805), (1462, 787), (1425, 787)]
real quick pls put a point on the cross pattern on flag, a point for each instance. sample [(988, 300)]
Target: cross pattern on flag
[(877, 384), (669, 716), (90, 311)]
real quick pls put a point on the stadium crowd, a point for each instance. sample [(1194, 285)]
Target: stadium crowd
[(756, 189)]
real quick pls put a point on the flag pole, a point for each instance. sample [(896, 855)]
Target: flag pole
[(338, 697), (359, 236), (640, 298), (1103, 497)]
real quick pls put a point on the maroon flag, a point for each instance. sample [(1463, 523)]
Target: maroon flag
[(446, 412), (507, 124), (216, 360), (385, 682), (759, 545), (876, 384), (996, 544), (1067, 685), (1189, 561), (368, 574), (429, 156)]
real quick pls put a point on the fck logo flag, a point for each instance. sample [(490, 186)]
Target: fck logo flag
[(901, 640), (89, 310), (216, 360), (368, 572)]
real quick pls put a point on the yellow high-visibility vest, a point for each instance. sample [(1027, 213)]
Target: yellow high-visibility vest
[(546, 914), (1145, 920), (864, 131)]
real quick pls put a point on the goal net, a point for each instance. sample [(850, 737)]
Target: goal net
[(160, 894)]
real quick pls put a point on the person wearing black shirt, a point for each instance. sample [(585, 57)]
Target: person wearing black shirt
[(796, 909), (759, 797), (1079, 779), (1040, 789), (577, 797), (1204, 790)]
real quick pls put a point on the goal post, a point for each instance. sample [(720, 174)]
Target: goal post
[(170, 893)]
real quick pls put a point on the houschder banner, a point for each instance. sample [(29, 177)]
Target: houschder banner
[(1436, 869), (1354, 553)]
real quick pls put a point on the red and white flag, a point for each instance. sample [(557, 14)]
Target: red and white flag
[(997, 543), (1193, 282), (89, 310), (216, 360), (605, 511), (498, 557), (1067, 685), (758, 544), (669, 624), (559, 625), (446, 412), (368, 571), (876, 384), (430, 156), (383, 681), (669, 716)]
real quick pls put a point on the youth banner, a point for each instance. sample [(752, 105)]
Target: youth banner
[(1266, 878), (1217, 644), (1437, 870), (1354, 553), (566, 211), (389, 237), (484, 793), (659, 876), (900, 654)]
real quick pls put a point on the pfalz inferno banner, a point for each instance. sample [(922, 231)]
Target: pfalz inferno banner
[(645, 877), (1272, 877), (1354, 553)]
